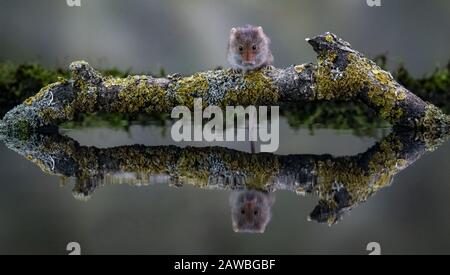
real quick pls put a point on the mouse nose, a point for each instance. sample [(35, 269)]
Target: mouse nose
[(248, 58)]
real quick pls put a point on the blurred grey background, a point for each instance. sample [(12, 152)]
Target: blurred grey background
[(188, 36), (36, 216)]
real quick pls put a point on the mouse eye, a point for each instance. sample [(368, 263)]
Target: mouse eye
[(254, 47), (241, 48)]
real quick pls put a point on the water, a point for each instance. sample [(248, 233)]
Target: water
[(126, 213)]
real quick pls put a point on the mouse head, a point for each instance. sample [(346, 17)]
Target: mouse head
[(250, 210), (248, 47)]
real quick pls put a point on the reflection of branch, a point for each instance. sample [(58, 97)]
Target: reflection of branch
[(340, 182), (341, 74)]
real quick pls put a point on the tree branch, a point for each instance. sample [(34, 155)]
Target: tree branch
[(341, 74)]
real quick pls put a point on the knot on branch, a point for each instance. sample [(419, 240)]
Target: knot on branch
[(329, 42), (86, 82), (82, 71)]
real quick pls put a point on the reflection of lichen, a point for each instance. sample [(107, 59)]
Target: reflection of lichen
[(433, 117), (196, 166), (22, 129), (199, 167), (51, 114), (191, 168), (359, 181), (340, 182), (155, 161)]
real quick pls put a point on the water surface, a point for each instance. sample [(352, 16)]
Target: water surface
[(130, 214)]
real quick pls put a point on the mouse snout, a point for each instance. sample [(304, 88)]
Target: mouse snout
[(248, 58)]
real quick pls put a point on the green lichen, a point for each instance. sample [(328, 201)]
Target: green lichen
[(188, 170), (386, 156), (259, 170), (359, 182), (433, 116), (256, 171), (186, 89), (150, 161), (436, 125), (225, 87), (42, 165), (256, 89), (50, 115), (299, 68), (386, 94), (138, 94), (329, 38), (333, 84), (86, 97), (192, 166), (22, 126), (29, 101), (359, 75)]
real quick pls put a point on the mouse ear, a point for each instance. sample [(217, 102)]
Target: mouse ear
[(233, 30), (260, 29)]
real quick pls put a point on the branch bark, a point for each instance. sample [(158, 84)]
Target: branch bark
[(341, 74)]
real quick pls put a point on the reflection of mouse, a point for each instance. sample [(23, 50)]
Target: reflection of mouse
[(250, 210), (248, 48)]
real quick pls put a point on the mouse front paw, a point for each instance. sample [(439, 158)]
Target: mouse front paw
[(235, 71)]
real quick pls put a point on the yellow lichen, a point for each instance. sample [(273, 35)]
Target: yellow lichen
[(360, 74), (329, 38), (86, 98), (50, 115), (359, 183), (258, 90), (42, 92), (189, 88), (138, 94), (254, 171), (435, 123), (299, 68), (401, 95), (337, 85)]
